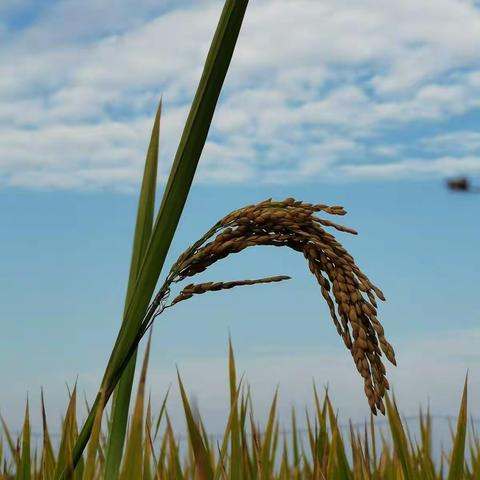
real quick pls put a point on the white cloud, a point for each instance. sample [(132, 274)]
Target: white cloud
[(387, 150), (461, 141), (439, 167), (296, 101)]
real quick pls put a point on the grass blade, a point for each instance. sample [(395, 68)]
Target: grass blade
[(268, 440), (399, 438), (64, 456), (48, 457), (174, 467), (133, 455), (202, 459), (457, 461), (235, 455), (341, 469), (222, 450), (148, 453), (10, 441), (24, 468), (176, 192), (90, 465), (163, 409), (143, 231)]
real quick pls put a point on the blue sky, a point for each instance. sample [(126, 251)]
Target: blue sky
[(363, 106)]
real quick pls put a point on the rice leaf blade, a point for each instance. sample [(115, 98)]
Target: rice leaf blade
[(175, 196), (133, 462), (143, 231), (202, 459), (90, 465), (235, 457), (24, 468), (399, 438), (48, 457), (342, 470), (65, 464), (457, 461), (10, 441), (266, 465)]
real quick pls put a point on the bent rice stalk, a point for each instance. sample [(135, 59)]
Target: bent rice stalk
[(350, 296)]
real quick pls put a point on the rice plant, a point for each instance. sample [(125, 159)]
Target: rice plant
[(152, 239), (287, 223), (293, 224), (146, 446)]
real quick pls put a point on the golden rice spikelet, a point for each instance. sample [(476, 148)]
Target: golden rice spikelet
[(350, 296)]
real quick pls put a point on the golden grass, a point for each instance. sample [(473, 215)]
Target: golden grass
[(247, 450)]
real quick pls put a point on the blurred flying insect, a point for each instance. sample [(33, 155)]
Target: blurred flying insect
[(462, 184)]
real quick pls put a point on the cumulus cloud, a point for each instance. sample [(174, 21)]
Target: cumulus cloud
[(439, 167), (462, 141), (79, 88)]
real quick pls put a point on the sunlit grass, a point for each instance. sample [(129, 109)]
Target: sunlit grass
[(247, 449)]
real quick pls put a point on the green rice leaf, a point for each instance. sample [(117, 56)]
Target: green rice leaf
[(161, 414), (202, 458), (235, 452), (133, 462), (24, 468), (268, 440), (48, 457), (174, 198), (399, 438), (10, 441), (91, 464), (174, 467), (295, 449), (340, 469), (457, 460), (143, 231), (64, 457), (147, 446)]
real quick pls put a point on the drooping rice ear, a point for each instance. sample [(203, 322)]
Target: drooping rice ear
[(350, 296)]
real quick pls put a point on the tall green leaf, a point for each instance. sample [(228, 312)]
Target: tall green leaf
[(235, 454), (457, 460), (143, 231), (48, 457), (148, 451), (11, 443), (24, 468), (132, 465), (93, 446), (268, 440), (65, 464), (175, 195), (341, 469), (203, 467), (399, 438)]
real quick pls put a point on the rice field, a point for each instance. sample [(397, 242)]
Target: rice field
[(247, 449)]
